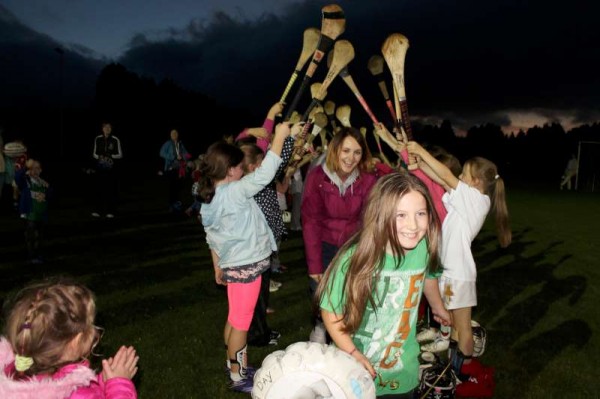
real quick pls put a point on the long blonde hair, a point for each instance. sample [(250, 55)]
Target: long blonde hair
[(493, 186), (44, 320), (379, 228)]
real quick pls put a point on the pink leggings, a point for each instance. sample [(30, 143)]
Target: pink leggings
[(242, 300)]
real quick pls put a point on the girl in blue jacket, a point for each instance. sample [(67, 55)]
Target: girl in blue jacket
[(239, 238)]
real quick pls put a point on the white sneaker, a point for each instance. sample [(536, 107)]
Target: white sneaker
[(318, 334), (95, 214), (110, 215), (428, 334), (273, 287), (439, 345)]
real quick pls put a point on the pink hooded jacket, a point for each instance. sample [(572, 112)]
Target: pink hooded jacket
[(331, 214), (74, 381)]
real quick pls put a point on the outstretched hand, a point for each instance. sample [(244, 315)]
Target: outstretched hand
[(123, 364)]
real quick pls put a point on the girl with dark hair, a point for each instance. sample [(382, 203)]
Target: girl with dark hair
[(240, 240)]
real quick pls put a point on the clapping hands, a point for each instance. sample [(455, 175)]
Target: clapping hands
[(123, 364)]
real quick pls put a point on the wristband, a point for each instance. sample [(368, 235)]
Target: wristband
[(352, 351)]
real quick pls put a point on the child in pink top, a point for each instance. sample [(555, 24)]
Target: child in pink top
[(50, 333)]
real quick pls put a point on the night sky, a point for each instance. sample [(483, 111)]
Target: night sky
[(513, 63)]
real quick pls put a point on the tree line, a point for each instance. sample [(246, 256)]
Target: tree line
[(143, 112)]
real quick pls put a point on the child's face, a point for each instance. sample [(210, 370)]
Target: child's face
[(35, 169), (412, 219)]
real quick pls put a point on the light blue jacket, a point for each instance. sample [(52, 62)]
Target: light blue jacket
[(236, 229)]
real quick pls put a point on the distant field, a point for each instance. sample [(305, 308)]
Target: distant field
[(154, 282)]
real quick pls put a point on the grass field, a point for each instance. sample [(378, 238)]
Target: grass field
[(154, 283)]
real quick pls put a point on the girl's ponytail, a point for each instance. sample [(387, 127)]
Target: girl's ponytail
[(493, 185), (501, 212)]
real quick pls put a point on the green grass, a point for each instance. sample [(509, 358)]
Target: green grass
[(154, 283)]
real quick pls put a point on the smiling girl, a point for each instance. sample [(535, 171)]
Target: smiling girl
[(335, 194), (369, 297)]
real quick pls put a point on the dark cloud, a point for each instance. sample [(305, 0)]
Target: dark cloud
[(467, 59), (470, 61)]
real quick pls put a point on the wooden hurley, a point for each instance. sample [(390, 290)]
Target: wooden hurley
[(319, 121), (309, 45), (345, 75), (342, 113), (382, 154), (295, 118), (330, 112), (375, 66), (333, 24), (394, 51), (343, 53)]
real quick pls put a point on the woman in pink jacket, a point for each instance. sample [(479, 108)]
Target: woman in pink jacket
[(50, 333), (334, 197)]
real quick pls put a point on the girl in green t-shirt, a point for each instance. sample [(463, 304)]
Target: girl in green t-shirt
[(369, 297)]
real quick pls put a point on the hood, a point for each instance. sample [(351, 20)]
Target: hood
[(34, 388), (341, 185)]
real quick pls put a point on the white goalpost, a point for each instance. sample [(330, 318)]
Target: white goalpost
[(588, 165)]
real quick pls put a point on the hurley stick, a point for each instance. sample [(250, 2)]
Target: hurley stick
[(309, 45), (342, 113), (345, 75), (394, 52), (343, 53), (333, 24), (319, 121), (375, 66), (330, 112)]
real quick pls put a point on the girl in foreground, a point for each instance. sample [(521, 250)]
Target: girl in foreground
[(369, 297)]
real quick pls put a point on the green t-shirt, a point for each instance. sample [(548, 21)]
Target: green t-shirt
[(386, 335)]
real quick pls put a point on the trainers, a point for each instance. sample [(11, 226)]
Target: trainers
[(318, 334), (274, 337), (110, 215), (250, 371), (273, 287), (439, 345), (276, 283), (428, 334), (95, 214), (244, 385)]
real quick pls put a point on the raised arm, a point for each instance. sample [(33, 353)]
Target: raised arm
[(447, 179)]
